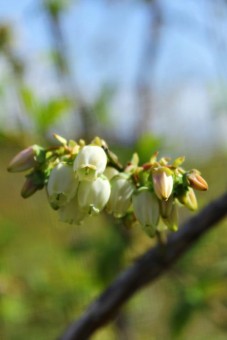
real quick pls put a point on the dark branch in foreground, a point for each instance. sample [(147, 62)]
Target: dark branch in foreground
[(148, 267)]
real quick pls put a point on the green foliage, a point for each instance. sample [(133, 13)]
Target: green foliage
[(100, 107), (147, 145), (44, 114), (189, 302), (55, 7), (110, 250)]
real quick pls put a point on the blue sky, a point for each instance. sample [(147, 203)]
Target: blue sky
[(91, 25), (105, 42)]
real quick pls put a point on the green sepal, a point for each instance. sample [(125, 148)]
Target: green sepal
[(40, 154), (178, 161)]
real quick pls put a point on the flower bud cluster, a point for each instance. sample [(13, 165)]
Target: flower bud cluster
[(84, 179)]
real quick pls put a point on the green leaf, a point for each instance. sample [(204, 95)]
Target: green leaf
[(146, 146), (190, 301), (101, 106), (48, 113), (29, 100)]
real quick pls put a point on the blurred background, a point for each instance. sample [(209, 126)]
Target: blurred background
[(145, 76)]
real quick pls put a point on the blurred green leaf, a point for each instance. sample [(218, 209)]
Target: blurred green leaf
[(190, 300), (43, 114), (146, 146), (7, 233), (101, 106), (29, 100), (13, 309), (49, 112), (109, 255)]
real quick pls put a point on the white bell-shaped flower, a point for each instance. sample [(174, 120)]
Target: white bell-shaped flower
[(93, 196), (110, 172), (121, 195), (62, 185), (146, 209), (90, 162), (72, 213)]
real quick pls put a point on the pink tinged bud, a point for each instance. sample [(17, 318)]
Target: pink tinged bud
[(197, 182), (24, 160), (93, 196), (163, 184), (121, 195), (71, 213), (146, 209), (61, 186), (90, 162), (29, 188), (34, 181), (172, 220), (189, 199)]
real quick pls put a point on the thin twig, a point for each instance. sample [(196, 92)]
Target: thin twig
[(146, 269)]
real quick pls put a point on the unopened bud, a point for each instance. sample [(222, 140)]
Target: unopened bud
[(29, 188), (24, 160), (163, 184), (189, 199), (196, 181), (93, 195), (121, 195), (146, 209), (90, 162), (62, 185)]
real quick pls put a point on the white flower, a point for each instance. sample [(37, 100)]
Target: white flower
[(72, 213), (90, 162), (93, 196), (110, 172), (62, 185), (146, 209), (121, 195)]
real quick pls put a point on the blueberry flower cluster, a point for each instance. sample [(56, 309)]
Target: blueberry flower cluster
[(84, 179)]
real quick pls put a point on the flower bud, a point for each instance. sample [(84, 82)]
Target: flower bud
[(90, 162), (172, 220), (163, 184), (146, 209), (34, 181), (72, 213), (196, 181), (61, 186), (121, 195), (29, 188), (93, 195), (110, 172), (189, 199), (24, 160)]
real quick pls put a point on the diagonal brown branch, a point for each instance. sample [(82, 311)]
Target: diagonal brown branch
[(148, 267)]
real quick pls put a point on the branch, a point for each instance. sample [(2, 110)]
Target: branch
[(146, 269)]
